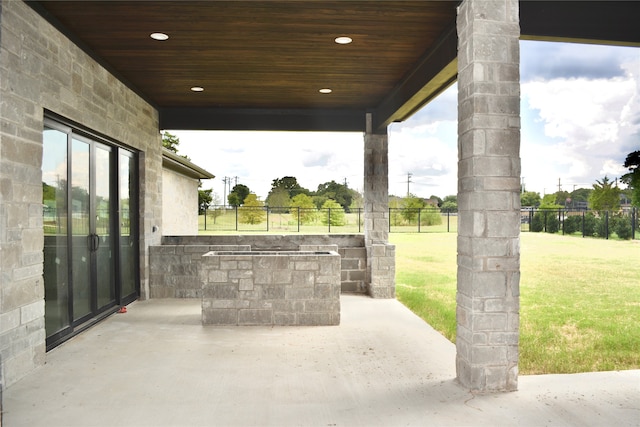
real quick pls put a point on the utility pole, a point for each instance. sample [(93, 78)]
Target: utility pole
[(559, 186), (409, 175), (225, 180)]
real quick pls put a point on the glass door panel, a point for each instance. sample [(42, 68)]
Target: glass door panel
[(54, 220), (102, 227), (128, 228), (81, 239)]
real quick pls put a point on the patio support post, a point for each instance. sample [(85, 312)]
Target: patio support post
[(380, 254), (488, 195)]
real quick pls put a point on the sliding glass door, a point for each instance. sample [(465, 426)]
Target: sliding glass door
[(91, 263)]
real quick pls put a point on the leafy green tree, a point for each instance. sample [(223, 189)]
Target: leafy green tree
[(252, 210), (170, 141), (357, 200), (530, 198), (303, 209), (238, 194), (632, 179), (580, 194), (411, 205), (204, 199), (549, 202), (605, 196), (561, 197), (216, 211), (450, 203), (319, 200), (289, 184), (337, 192), (48, 192), (278, 198), (334, 213)]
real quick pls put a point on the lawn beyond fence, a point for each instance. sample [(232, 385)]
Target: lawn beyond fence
[(579, 298)]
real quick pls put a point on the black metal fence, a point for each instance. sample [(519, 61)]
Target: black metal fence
[(327, 220), (622, 224)]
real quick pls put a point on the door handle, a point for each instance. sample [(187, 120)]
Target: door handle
[(93, 242)]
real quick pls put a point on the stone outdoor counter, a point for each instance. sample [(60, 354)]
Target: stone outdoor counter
[(271, 288)]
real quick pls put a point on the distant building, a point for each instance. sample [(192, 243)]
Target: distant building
[(180, 181)]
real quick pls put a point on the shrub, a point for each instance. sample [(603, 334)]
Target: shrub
[(591, 224), (553, 224), (572, 224), (430, 216), (622, 228), (537, 223), (333, 213), (603, 227)]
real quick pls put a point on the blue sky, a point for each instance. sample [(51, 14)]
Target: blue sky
[(580, 109)]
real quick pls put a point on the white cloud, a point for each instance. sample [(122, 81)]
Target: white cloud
[(588, 127)]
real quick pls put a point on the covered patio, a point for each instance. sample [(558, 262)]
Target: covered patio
[(100, 76), (156, 365)]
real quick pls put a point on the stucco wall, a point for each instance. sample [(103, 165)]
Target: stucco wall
[(179, 204), (40, 69)]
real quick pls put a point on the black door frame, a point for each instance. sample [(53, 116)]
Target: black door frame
[(72, 131)]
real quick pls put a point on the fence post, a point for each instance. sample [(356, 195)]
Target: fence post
[(236, 218), (562, 222), (634, 212), (606, 225), (359, 210), (419, 212), (298, 219), (448, 218), (389, 220), (267, 208), (205, 219)]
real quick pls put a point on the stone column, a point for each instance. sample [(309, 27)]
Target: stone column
[(380, 255), (488, 195)]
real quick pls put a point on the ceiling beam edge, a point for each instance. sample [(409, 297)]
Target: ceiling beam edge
[(594, 22), (239, 119), (433, 73)]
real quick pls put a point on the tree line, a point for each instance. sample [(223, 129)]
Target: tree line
[(605, 195)]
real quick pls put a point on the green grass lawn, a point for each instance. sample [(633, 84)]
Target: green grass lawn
[(579, 303)]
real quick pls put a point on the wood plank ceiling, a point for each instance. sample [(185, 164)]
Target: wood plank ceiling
[(269, 55), (262, 63)]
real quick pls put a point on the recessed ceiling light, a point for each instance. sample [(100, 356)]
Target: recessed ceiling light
[(197, 89), (343, 40), (159, 36), (325, 90)]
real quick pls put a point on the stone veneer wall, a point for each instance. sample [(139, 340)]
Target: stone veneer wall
[(350, 247), (488, 294), (380, 261), (175, 269), (42, 70), (287, 288)]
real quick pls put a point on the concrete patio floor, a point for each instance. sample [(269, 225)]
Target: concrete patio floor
[(383, 366)]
